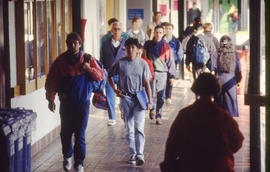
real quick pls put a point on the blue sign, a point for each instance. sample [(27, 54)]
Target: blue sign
[(135, 12)]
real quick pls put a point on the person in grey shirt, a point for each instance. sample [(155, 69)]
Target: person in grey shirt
[(134, 75), (136, 30)]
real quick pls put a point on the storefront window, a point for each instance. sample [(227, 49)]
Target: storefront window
[(29, 41), (49, 30), (40, 28), (59, 28)]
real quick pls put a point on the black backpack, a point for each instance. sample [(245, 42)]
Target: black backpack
[(226, 61)]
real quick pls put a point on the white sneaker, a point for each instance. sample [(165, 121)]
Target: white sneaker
[(168, 101), (79, 168), (111, 122), (67, 163)]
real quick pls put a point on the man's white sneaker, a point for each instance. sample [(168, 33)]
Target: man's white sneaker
[(168, 101), (111, 122), (79, 168), (67, 163)]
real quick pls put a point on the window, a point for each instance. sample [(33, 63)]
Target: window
[(44, 24)]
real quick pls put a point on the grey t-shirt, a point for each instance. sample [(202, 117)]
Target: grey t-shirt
[(132, 74)]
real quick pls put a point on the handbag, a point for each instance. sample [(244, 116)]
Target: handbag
[(100, 101)]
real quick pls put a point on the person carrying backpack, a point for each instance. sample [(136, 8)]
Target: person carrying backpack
[(228, 71), (197, 52), (71, 76)]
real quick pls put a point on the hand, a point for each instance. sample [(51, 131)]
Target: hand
[(51, 106), (171, 81), (119, 93), (149, 106), (188, 68), (86, 66)]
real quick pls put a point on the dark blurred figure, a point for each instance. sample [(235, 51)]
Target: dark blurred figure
[(193, 13), (4, 158), (203, 137)]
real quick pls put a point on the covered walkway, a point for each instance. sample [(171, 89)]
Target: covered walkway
[(107, 148)]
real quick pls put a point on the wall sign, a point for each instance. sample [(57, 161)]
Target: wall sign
[(135, 12)]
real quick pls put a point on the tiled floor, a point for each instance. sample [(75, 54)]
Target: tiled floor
[(107, 148)]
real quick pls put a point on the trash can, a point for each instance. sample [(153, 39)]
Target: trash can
[(18, 125)]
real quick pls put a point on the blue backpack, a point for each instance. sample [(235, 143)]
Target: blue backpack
[(98, 86), (200, 52)]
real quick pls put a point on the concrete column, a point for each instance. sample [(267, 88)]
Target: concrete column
[(254, 84), (267, 86)]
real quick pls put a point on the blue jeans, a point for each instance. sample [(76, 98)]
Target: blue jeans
[(74, 118), (111, 98), (134, 121), (158, 90)]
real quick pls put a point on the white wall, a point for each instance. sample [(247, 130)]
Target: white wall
[(92, 40), (12, 43), (123, 14), (46, 120)]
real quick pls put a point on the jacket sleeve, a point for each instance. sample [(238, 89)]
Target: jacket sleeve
[(96, 72), (189, 52), (52, 83), (166, 56)]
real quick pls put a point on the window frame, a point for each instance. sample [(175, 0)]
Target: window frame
[(23, 86)]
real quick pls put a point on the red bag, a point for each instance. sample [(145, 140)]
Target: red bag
[(100, 101), (235, 16)]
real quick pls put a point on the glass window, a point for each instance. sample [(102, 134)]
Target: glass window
[(40, 27), (67, 17), (29, 41), (59, 28), (49, 31)]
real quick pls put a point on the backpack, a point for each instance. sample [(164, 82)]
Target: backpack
[(226, 60), (98, 86), (200, 52)]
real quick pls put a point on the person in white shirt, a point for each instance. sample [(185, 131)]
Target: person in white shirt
[(136, 30)]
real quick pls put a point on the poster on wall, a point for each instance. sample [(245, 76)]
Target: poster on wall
[(175, 5), (163, 9), (135, 12)]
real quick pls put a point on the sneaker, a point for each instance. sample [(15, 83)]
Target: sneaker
[(111, 122), (158, 121), (132, 159), (79, 168), (139, 161), (168, 101), (151, 115), (67, 163)]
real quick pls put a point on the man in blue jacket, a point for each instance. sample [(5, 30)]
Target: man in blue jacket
[(112, 50), (69, 76)]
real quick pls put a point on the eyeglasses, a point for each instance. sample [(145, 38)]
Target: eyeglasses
[(117, 29)]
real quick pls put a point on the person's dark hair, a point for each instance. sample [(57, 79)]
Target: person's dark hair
[(132, 41), (206, 84), (74, 36), (157, 12), (135, 19), (112, 20), (140, 46), (226, 55), (159, 27), (197, 20)]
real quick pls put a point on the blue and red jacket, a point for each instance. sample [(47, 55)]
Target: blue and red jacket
[(161, 56), (67, 78)]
